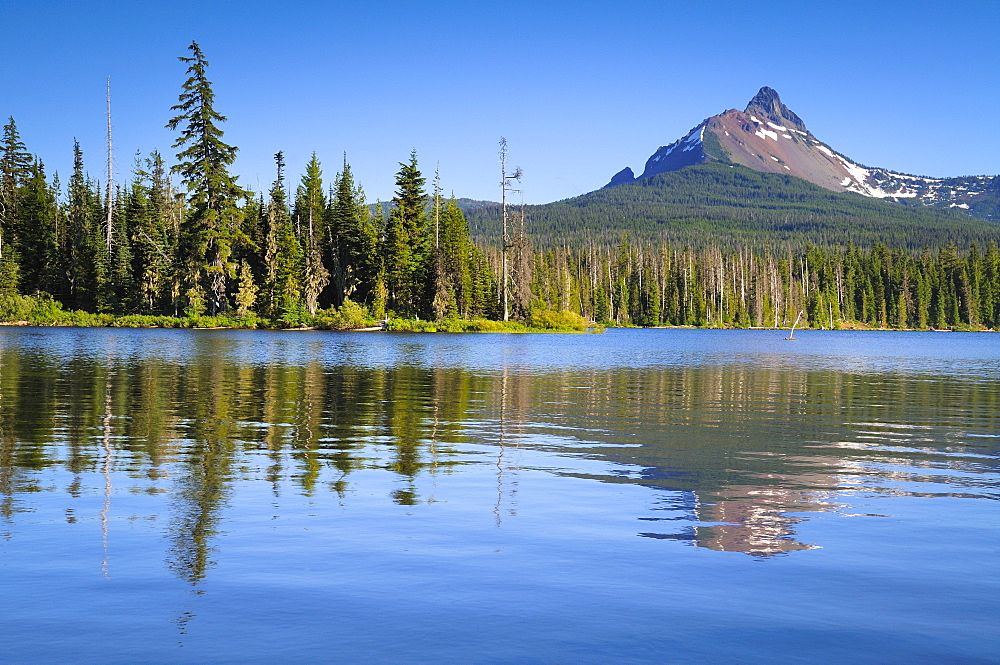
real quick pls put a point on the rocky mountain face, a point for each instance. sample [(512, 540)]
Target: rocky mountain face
[(767, 136)]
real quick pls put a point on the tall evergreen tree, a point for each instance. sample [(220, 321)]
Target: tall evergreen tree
[(15, 169), (283, 253), (310, 208), (378, 300), (37, 236), (405, 245), (122, 297), (214, 216), (87, 262), (147, 216), (990, 291), (456, 257), (352, 239), (79, 259)]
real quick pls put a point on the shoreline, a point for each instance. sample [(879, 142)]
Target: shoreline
[(432, 328)]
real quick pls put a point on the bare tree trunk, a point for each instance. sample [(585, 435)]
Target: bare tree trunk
[(109, 228), (505, 186)]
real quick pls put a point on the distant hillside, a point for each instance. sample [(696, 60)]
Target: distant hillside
[(464, 204), (728, 204), (472, 204)]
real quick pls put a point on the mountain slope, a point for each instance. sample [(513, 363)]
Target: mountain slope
[(768, 137), (728, 204)]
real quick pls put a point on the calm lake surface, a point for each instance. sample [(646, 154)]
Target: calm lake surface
[(639, 496)]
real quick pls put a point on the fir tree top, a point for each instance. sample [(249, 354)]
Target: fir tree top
[(204, 161)]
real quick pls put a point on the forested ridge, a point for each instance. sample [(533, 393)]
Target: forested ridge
[(705, 246), (719, 204)]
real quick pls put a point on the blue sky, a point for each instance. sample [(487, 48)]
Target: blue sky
[(580, 90)]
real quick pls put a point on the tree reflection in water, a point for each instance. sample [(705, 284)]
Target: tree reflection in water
[(742, 452)]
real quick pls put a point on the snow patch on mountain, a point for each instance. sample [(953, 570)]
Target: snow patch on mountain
[(695, 136)]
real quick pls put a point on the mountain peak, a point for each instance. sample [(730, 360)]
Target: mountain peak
[(768, 104), (768, 137)]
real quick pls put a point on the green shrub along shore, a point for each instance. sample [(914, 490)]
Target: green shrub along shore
[(44, 311), (18, 310)]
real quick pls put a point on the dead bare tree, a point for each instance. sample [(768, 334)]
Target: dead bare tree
[(506, 185), (109, 228)]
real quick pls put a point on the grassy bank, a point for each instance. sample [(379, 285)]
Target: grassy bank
[(44, 311)]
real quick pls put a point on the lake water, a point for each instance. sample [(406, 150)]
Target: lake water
[(638, 496)]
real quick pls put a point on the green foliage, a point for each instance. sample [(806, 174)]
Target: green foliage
[(480, 325), (558, 320), (552, 322), (352, 257), (246, 295), (309, 214), (214, 216), (15, 307), (283, 258), (15, 169), (148, 321), (43, 310), (196, 301), (219, 321), (295, 316), (457, 264), (349, 316), (712, 147), (36, 222), (147, 220), (406, 251), (409, 325)]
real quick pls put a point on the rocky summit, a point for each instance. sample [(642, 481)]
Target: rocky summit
[(768, 136)]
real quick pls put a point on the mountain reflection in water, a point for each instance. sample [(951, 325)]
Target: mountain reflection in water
[(737, 454)]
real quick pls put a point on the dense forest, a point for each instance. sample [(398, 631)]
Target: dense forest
[(316, 253), (649, 285)]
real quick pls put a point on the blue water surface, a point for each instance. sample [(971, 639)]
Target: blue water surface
[(636, 496)]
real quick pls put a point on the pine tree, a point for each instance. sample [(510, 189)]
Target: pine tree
[(85, 261), (79, 262), (405, 246), (214, 216), (310, 207), (352, 238), (35, 229), (254, 245), (990, 293), (103, 269), (15, 169), (438, 288), (456, 254), (485, 302), (246, 294), (378, 300), (149, 220), (15, 163), (123, 296), (283, 254)]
